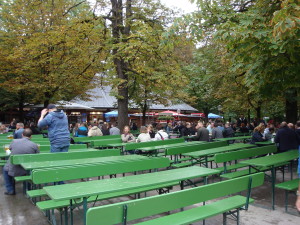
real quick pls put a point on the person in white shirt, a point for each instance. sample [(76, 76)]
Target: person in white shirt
[(161, 134), (144, 135)]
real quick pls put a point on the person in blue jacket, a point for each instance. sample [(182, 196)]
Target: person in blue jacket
[(82, 131), (58, 128)]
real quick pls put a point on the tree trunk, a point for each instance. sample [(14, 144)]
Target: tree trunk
[(291, 106), (21, 111), (46, 103), (258, 113), (144, 111), (120, 66), (249, 116), (21, 106), (206, 112)]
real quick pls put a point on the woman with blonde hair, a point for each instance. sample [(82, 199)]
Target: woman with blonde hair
[(127, 136), (144, 135), (257, 135)]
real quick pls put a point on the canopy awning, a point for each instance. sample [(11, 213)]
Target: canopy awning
[(214, 116), (169, 113)]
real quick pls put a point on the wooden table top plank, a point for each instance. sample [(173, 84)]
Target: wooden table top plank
[(47, 164), (171, 145), (272, 159), (98, 187), (212, 151), (265, 143), (233, 138)]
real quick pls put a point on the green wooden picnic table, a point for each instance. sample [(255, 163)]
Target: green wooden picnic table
[(234, 138), (263, 143), (270, 163), (189, 138), (60, 163), (156, 148), (133, 145), (84, 190), (199, 155), (117, 145), (3, 154)]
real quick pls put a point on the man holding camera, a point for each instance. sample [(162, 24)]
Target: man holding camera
[(58, 128)]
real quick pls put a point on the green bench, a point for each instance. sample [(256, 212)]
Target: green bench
[(179, 150), (141, 208), (227, 157), (288, 186), (41, 176)]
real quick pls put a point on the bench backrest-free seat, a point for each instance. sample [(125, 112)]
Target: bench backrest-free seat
[(55, 174), (141, 208), (18, 159)]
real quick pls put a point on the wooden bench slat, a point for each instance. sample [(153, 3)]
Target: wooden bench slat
[(22, 178), (290, 185), (200, 213)]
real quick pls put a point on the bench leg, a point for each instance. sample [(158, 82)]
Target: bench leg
[(238, 217), (224, 219), (273, 186), (235, 214), (286, 200)]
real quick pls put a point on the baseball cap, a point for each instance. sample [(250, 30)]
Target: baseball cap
[(51, 106)]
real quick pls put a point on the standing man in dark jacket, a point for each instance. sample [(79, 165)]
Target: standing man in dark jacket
[(286, 138), (202, 133), (241, 120), (228, 131), (215, 132), (18, 147), (297, 130), (58, 128)]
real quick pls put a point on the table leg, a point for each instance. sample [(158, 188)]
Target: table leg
[(273, 186), (292, 169), (84, 210), (66, 215), (71, 211), (182, 185), (206, 163), (286, 200)]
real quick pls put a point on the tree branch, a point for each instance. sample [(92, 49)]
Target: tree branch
[(72, 7)]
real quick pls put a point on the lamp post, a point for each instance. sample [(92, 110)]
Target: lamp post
[(149, 104)]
